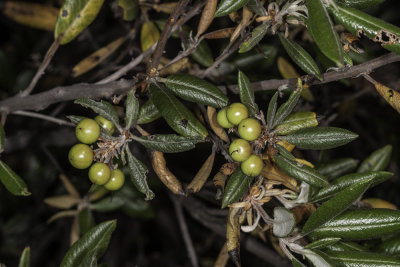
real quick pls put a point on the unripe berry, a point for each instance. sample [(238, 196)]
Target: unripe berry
[(105, 124), (249, 129), (80, 156), (240, 150), (87, 131), (116, 181), (236, 113), (252, 166), (99, 173), (223, 120)]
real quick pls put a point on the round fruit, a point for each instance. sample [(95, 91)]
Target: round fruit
[(87, 131), (252, 166), (105, 124), (99, 173), (236, 113), (80, 156), (240, 150), (249, 129), (116, 181), (223, 120)]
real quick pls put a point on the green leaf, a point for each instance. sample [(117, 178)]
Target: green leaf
[(360, 4), (74, 17), (360, 23), (130, 8), (203, 54), (2, 138), (296, 121), (24, 260), (132, 110), (14, 184), (246, 94), (297, 263), (320, 137), (273, 104), (286, 108), (108, 204), (285, 153), (226, 7), (360, 225), (175, 113), (301, 57), (364, 259), (196, 90), (301, 172), (86, 220), (75, 119), (148, 113), (345, 246), (284, 222), (322, 243), (168, 143), (237, 185), (102, 108), (321, 29), (138, 173), (343, 182), (335, 206), (256, 36), (94, 242), (390, 247), (377, 161), (256, 7), (336, 168)]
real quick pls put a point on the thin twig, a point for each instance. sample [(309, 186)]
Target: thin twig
[(185, 232), (46, 61), (43, 117)]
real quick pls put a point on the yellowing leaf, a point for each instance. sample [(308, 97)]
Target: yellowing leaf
[(286, 69), (305, 162), (391, 96), (30, 14), (377, 203), (62, 202), (148, 35), (130, 7), (97, 57)]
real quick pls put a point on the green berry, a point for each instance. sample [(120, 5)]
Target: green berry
[(249, 129), (87, 131), (116, 181), (236, 113), (240, 150), (99, 173), (80, 156), (252, 166), (223, 120), (105, 124)]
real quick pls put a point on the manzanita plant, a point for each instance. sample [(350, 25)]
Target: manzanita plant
[(265, 141)]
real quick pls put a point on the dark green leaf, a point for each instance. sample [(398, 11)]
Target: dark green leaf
[(108, 204), (361, 225), (74, 17), (390, 247), (301, 172), (256, 7), (343, 182), (237, 185), (168, 143), (284, 222), (296, 121), (196, 90), (320, 137), (226, 7), (148, 113), (175, 113), (246, 93), (335, 206), (86, 220), (360, 23), (131, 110), (321, 29), (322, 243), (360, 4), (203, 54), (75, 119), (336, 168), (2, 138), (364, 259), (256, 36), (345, 246), (297, 263), (273, 103), (285, 153), (24, 260), (286, 108), (377, 161), (14, 184), (130, 8), (95, 241), (301, 57), (138, 173), (102, 108)]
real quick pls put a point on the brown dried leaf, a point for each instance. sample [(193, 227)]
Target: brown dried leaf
[(175, 67), (220, 34), (202, 175), (218, 130), (167, 8), (164, 174), (69, 186), (222, 258), (75, 231), (246, 17), (62, 214), (207, 16), (62, 202), (233, 235), (273, 173), (229, 168)]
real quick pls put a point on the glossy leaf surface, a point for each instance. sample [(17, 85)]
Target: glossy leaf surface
[(14, 184), (168, 143), (246, 93), (226, 7), (377, 161), (102, 108), (336, 168), (237, 185)]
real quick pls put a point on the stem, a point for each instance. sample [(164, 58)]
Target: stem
[(43, 117)]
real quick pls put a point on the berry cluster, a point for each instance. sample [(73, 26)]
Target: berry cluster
[(249, 129), (81, 155)]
